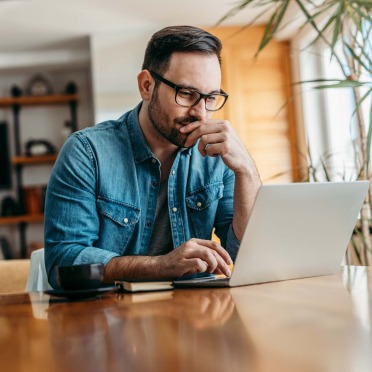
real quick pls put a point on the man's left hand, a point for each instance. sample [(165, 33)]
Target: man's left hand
[(217, 137)]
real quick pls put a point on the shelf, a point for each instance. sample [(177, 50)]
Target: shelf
[(38, 100), (16, 160), (24, 218), (24, 195)]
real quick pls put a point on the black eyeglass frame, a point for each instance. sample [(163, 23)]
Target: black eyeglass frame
[(177, 88)]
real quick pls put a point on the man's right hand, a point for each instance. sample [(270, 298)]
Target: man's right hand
[(195, 256)]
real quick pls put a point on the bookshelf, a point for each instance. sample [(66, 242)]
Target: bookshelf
[(19, 161)]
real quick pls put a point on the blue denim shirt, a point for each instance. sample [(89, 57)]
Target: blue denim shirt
[(102, 195)]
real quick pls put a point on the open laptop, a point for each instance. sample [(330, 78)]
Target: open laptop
[(295, 230)]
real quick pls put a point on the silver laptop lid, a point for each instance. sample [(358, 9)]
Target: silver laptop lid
[(298, 230)]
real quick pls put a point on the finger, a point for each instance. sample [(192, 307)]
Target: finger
[(221, 264), (201, 130), (196, 265), (195, 124), (214, 150), (188, 128), (190, 265), (202, 148), (216, 247), (208, 139), (209, 256), (206, 123), (212, 258), (218, 272)]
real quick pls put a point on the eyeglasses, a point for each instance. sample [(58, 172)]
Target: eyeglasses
[(188, 97)]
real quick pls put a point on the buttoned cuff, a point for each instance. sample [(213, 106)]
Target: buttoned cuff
[(89, 255)]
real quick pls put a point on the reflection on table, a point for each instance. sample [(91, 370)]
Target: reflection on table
[(313, 324)]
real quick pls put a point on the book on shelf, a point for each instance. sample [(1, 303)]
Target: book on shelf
[(142, 285)]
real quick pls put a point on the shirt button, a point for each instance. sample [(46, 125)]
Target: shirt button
[(154, 183), (148, 223), (173, 172), (199, 204), (125, 220), (153, 161), (174, 209)]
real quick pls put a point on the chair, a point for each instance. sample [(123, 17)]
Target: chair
[(37, 277), (13, 276)]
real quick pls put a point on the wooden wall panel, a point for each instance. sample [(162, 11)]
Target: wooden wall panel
[(258, 90)]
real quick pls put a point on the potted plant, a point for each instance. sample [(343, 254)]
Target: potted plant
[(345, 27)]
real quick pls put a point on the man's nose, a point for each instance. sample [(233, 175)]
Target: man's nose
[(199, 110)]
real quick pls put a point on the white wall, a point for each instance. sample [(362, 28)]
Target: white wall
[(116, 59)]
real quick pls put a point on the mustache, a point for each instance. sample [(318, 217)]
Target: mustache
[(186, 120)]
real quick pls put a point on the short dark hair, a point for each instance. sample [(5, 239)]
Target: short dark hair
[(178, 39)]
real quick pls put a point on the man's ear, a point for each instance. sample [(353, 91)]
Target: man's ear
[(146, 84)]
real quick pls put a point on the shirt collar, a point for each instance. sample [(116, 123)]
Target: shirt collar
[(140, 149)]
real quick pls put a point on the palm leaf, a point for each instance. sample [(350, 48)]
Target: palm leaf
[(356, 251), (249, 24), (363, 239), (324, 167), (358, 58), (338, 26), (236, 9), (309, 17), (311, 21), (273, 24), (311, 164), (356, 16), (338, 83), (342, 84), (366, 3), (369, 134), (335, 22)]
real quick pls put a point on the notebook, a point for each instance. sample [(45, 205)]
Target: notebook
[(143, 285), (295, 230)]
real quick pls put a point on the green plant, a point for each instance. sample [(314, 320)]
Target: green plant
[(345, 27)]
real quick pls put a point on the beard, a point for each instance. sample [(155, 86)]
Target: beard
[(164, 125)]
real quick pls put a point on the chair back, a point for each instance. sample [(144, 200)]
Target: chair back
[(37, 277), (13, 275)]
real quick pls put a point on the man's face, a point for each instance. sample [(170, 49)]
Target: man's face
[(193, 70)]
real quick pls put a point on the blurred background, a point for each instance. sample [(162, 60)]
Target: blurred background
[(75, 64)]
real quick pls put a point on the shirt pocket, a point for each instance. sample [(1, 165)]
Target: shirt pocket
[(117, 223), (202, 205)]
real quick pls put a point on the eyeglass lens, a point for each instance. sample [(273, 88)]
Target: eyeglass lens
[(188, 98)]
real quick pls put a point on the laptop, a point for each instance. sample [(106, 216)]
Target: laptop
[(295, 231)]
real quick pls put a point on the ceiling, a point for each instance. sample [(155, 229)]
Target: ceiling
[(27, 25)]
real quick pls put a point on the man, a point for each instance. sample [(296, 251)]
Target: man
[(142, 194)]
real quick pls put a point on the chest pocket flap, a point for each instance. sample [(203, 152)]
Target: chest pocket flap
[(203, 198), (119, 212)]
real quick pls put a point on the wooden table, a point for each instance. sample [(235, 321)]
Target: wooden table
[(315, 324)]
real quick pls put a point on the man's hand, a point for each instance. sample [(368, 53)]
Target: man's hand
[(217, 137), (195, 256)]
